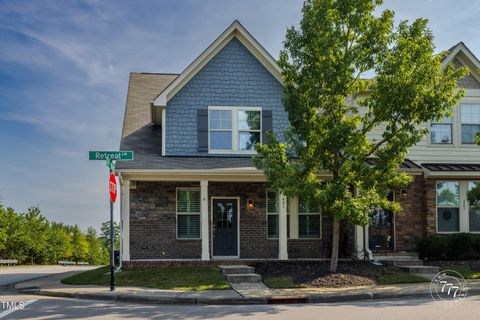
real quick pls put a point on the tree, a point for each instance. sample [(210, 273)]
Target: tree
[(79, 244), (97, 254), (105, 234), (59, 243), (333, 112), (36, 229)]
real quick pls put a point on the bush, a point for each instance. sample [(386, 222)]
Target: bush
[(454, 246)]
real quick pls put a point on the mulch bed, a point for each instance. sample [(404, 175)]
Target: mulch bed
[(317, 274)]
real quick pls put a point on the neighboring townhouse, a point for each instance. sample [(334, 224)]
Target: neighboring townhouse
[(193, 193)]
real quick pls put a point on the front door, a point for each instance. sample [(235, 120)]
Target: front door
[(225, 229), (381, 230)]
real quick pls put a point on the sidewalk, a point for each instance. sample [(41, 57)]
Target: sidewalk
[(51, 286)]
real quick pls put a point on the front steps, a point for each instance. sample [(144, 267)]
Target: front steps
[(240, 274), (243, 279), (410, 264)]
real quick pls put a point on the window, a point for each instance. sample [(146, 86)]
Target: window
[(308, 220), (448, 206), (470, 118), (234, 129), (441, 132), (473, 214), (188, 213), (273, 215)]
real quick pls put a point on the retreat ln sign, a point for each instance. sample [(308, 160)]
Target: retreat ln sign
[(110, 157)]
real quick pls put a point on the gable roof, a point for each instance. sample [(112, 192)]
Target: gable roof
[(142, 89), (466, 57), (235, 30)]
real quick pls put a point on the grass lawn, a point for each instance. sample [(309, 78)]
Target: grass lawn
[(464, 270), (393, 275), (281, 282), (169, 277)]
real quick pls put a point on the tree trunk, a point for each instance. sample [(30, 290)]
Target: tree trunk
[(335, 244)]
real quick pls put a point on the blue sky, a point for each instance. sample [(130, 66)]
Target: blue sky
[(64, 69)]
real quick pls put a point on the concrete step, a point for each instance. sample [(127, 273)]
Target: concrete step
[(428, 276), (244, 278), (401, 263), (237, 269), (420, 269)]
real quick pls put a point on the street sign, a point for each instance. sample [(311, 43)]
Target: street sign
[(113, 187), (110, 164), (112, 155)]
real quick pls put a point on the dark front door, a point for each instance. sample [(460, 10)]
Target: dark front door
[(225, 240), (380, 231)]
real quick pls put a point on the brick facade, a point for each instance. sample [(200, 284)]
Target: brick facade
[(153, 224), (412, 219)]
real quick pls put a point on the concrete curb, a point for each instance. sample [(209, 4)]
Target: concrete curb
[(311, 298)]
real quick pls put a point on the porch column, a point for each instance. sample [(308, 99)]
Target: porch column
[(282, 228), (359, 241), (125, 221), (204, 220)]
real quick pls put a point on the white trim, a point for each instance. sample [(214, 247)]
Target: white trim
[(235, 30), (204, 220), (164, 130), (238, 228), (462, 48), (282, 227), (235, 131), (125, 221), (187, 213)]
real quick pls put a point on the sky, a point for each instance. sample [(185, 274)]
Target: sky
[(64, 68)]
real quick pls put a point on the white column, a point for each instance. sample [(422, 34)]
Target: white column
[(463, 214), (359, 241), (282, 228), (125, 221), (293, 218), (204, 220)]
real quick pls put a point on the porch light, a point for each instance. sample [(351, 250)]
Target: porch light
[(404, 192), (250, 204)]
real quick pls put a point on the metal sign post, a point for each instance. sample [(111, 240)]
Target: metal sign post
[(110, 157)]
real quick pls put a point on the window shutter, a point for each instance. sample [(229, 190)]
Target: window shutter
[(272, 225), (266, 124), (202, 118)]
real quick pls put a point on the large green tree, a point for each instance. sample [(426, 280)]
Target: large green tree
[(333, 110)]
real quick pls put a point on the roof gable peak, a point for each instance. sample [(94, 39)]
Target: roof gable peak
[(235, 30)]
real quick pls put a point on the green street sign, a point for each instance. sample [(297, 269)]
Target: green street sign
[(112, 155), (110, 164)]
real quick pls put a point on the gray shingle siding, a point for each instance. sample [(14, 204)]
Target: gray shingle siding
[(234, 77)]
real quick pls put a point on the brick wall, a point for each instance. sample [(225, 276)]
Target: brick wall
[(153, 224), (412, 220), (234, 77)]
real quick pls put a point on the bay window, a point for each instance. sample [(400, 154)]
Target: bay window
[(234, 129)]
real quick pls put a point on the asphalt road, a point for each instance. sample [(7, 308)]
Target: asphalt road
[(10, 275), (61, 308)]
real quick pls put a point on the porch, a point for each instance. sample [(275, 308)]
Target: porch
[(218, 220)]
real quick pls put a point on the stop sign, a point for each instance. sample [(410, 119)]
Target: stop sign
[(113, 187)]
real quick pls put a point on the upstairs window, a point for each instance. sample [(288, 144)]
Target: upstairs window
[(234, 129), (470, 117), (441, 132)]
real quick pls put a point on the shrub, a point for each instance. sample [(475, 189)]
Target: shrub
[(449, 247)]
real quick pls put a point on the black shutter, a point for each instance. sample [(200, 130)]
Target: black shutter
[(202, 116), (266, 124)]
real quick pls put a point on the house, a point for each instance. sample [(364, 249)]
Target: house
[(193, 193)]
